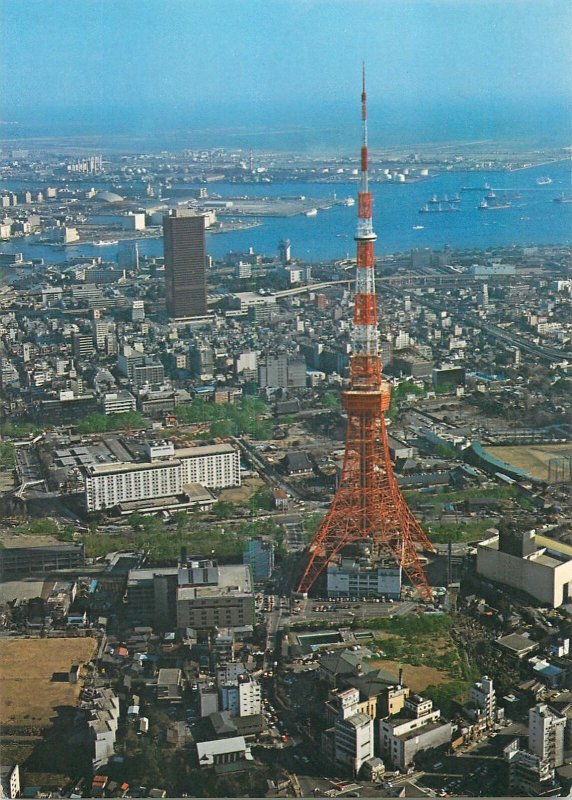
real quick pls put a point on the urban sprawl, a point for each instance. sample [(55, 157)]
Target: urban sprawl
[(173, 431)]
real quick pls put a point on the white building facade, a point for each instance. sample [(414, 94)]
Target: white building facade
[(546, 729), (108, 485), (242, 698), (482, 694), (353, 733)]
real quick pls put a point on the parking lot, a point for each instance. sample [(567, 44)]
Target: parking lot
[(344, 611), (466, 775)]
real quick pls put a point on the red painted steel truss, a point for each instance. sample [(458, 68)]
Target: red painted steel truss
[(368, 503)]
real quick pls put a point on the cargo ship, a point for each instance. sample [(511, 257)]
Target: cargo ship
[(484, 206), (437, 208)]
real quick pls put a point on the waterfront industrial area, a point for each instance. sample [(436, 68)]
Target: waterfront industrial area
[(171, 443)]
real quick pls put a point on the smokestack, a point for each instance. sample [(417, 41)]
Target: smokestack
[(401, 676)]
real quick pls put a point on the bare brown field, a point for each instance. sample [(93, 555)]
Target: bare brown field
[(30, 697), (531, 457), (240, 494), (417, 678)]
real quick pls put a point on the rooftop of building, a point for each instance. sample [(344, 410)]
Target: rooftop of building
[(207, 750), (356, 720), (233, 579), (373, 683), (539, 556), (422, 730), (204, 450), (168, 677), (97, 470), (344, 662), (140, 576), (516, 643)]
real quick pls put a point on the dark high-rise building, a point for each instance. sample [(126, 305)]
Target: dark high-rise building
[(185, 265)]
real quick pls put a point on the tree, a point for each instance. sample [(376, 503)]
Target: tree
[(181, 521), (223, 509), (136, 520), (332, 401)]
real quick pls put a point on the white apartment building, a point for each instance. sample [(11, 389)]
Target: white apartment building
[(527, 772), (138, 310), (546, 728), (108, 485), (211, 466), (119, 402), (482, 695), (214, 466), (417, 728), (353, 733), (241, 698), (102, 724)]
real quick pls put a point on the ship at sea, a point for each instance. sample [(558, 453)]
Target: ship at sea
[(563, 198), (313, 212), (543, 181), (437, 207), (485, 206), (484, 188)]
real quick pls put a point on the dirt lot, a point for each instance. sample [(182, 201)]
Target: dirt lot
[(33, 678), (532, 458), (417, 678), (240, 494)]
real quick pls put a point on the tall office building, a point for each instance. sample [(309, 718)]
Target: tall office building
[(185, 265), (546, 729)]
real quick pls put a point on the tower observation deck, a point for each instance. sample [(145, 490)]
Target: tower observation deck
[(368, 504)]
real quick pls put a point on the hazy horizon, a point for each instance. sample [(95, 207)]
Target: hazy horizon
[(437, 69)]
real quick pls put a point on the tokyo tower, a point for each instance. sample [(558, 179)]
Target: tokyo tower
[(368, 504)]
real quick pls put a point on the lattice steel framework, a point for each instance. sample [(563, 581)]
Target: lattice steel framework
[(368, 504)]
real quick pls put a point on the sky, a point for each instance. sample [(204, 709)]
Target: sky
[(285, 60)]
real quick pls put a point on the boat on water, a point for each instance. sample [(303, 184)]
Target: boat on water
[(342, 235), (434, 199), (349, 201), (562, 198), (484, 188), (312, 212), (437, 208), (418, 227), (102, 243), (543, 181), (456, 198), (484, 206), (491, 195)]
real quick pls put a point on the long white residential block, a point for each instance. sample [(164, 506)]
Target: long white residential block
[(212, 466)]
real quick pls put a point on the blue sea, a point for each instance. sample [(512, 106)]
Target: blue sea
[(531, 220)]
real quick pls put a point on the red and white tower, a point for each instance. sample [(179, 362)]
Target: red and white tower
[(368, 504)]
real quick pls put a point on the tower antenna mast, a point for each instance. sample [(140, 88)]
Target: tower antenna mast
[(368, 505)]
